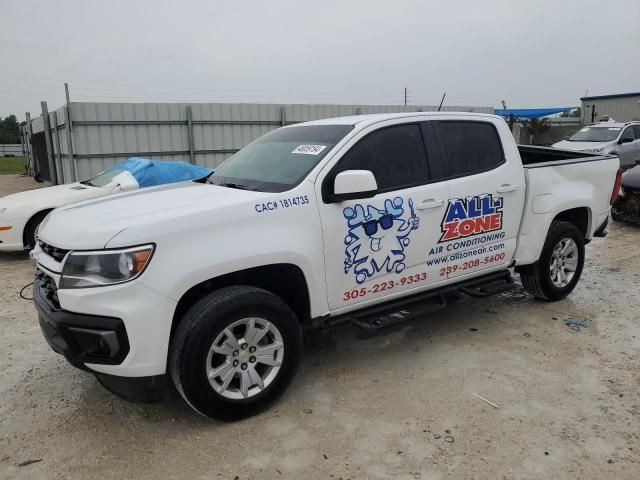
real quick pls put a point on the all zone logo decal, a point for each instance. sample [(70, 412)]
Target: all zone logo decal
[(471, 216)]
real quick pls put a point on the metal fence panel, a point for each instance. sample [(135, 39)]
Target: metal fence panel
[(105, 133)]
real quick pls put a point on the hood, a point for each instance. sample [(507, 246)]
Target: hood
[(631, 179), (579, 146), (93, 223), (48, 197)]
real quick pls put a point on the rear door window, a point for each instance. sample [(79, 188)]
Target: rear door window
[(470, 147), (636, 129)]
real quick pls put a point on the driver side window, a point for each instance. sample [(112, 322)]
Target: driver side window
[(396, 156), (628, 134)]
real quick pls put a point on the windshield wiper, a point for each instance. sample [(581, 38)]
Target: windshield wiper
[(233, 185)]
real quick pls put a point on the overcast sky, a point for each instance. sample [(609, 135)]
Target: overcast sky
[(531, 54)]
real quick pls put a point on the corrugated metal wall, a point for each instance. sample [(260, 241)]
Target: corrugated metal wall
[(622, 109), (203, 133)]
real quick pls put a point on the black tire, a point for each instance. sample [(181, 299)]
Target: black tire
[(536, 278), (29, 237), (614, 216), (198, 329)]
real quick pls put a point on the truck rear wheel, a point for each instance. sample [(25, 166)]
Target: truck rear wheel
[(235, 352), (556, 273)]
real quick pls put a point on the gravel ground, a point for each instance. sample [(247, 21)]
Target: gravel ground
[(400, 404)]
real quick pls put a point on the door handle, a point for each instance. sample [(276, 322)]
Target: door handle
[(506, 188), (431, 203)]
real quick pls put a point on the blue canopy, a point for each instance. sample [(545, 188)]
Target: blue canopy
[(530, 112), (157, 172)]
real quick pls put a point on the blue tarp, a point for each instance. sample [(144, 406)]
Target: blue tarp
[(154, 172), (530, 112)]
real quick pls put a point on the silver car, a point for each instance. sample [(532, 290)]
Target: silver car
[(621, 139)]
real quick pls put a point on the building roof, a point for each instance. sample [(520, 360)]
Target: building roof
[(530, 112), (615, 95)]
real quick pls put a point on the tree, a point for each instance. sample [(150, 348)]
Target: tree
[(535, 127), (9, 130)]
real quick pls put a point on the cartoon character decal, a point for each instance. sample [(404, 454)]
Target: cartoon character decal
[(377, 238)]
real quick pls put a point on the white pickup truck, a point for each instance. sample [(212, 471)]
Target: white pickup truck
[(368, 219)]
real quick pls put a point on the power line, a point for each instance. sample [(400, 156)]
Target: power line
[(196, 88)]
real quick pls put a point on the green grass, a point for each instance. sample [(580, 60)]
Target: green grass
[(11, 165)]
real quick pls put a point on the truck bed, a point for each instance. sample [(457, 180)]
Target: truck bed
[(573, 180), (533, 157)]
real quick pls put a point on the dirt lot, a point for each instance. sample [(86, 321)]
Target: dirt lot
[(398, 405)]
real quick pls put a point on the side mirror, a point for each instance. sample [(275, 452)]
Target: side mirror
[(625, 140), (353, 184)]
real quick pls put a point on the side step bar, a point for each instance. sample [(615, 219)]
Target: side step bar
[(391, 313)]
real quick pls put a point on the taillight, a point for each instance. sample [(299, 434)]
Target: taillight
[(616, 187)]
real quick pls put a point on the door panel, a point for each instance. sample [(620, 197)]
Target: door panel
[(636, 144), (627, 151), (481, 225), (486, 196), (376, 247)]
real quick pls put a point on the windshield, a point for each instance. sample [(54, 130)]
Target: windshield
[(595, 134), (279, 160), (102, 178)]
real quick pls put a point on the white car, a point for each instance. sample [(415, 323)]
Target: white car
[(22, 213), (607, 138), (371, 220)]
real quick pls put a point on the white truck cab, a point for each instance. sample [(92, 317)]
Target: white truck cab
[(365, 219)]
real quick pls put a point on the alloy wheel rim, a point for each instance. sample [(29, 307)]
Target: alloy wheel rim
[(564, 262), (245, 358)]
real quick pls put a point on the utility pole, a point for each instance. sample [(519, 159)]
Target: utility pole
[(405, 96), (68, 126)]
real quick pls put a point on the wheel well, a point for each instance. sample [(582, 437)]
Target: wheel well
[(26, 225), (578, 217), (284, 280)]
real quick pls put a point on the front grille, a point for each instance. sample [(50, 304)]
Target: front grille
[(55, 252), (48, 287)]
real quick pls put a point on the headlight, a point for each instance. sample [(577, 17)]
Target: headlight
[(104, 267)]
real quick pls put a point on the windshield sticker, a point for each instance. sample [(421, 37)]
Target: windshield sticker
[(471, 216), (309, 149), (614, 129), (377, 238)]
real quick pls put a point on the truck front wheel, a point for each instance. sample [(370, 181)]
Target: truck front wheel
[(556, 273), (234, 352)]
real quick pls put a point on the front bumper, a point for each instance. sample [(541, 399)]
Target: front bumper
[(11, 239), (90, 342), (80, 338), (140, 317)]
